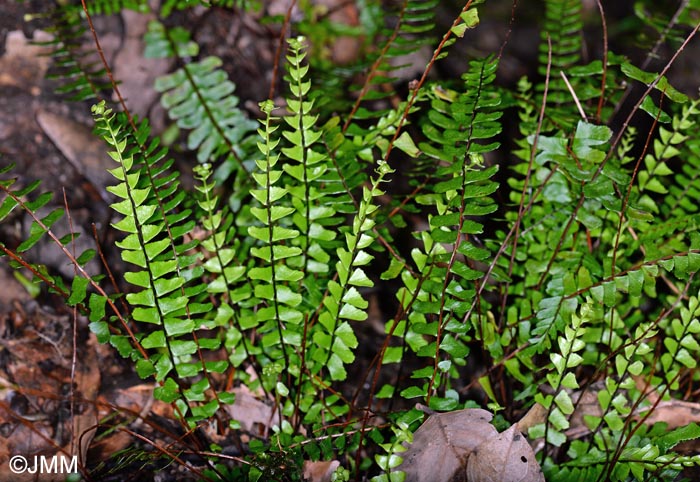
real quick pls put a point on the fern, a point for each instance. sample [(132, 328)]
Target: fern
[(162, 43), (199, 97), (110, 7), (309, 169), (281, 318), (445, 283), (46, 223), (559, 51), (577, 291), (78, 73), (149, 202), (673, 143)]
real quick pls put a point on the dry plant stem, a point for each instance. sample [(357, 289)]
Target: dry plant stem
[(513, 8), (375, 67), (601, 99), (74, 341), (573, 94), (428, 68), (223, 457), (80, 269), (280, 48)]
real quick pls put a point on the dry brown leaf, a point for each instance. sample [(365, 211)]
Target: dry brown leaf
[(586, 404), (676, 413), (463, 446), (84, 151), (255, 415), (320, 471), (24, 63), (136, 73), (535, 416), (507, 457), (442, 445)]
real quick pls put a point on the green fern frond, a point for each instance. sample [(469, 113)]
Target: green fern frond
[(46, 224), (408, 31), (415, 20), (164, 43), (661, 28), (167, 6), (308, 168), (111, 7), (679, 142), (154, 223), (336, 339), (225, 266), (79, 74), (562, 30), (200, 98), (460, 133), (281, 317)]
